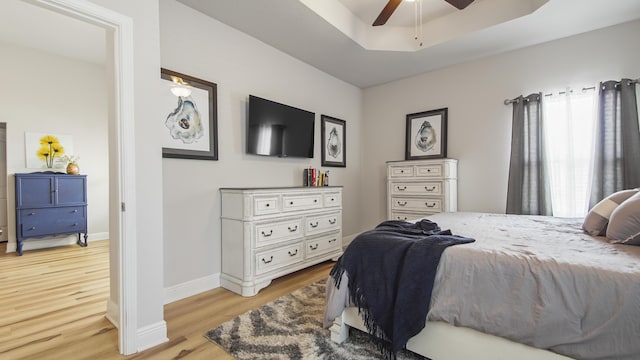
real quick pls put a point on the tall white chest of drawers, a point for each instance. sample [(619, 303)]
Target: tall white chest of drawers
[(268, 233), (417, 188)]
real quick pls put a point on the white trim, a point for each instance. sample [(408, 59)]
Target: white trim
[(152, 335), (191, 287), (346, 240), (35, 244), (113, 312), (122, 28)]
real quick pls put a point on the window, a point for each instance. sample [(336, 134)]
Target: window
[(570, 120)]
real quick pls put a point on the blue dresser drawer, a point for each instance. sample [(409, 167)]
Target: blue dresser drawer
[(45, 221)]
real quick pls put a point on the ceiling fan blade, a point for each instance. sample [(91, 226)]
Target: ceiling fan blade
[(460, 4), (386, 12)]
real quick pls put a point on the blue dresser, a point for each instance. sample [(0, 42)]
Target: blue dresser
[(49, 204)]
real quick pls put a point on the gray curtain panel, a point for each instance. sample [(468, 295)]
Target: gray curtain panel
[(617, 148), (528, 188)]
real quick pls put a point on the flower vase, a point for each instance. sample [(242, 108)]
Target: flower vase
[(73, 169)]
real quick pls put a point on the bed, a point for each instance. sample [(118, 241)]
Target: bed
[(529, 287)]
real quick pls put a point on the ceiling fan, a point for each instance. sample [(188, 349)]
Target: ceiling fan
[(393, 4)]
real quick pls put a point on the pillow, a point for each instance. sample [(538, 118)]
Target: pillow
[(624, 226), (595, 223)]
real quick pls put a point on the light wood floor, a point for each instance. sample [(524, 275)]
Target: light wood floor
[(53, 302)]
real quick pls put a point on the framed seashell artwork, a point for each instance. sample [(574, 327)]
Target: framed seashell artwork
[(334, 141), (189, 109), (426, 136)]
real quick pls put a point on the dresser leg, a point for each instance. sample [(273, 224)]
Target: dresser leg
[(79, 242), (19, 247)]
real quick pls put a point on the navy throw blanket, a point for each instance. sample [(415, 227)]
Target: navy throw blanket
[(391, 270)]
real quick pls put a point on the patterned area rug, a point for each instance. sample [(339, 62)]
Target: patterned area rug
[(291, 328)]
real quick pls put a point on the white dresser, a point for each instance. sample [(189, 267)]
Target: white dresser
[(417, 188), (268, 233)]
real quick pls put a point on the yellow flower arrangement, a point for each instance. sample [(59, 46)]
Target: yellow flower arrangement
[(49, 149)]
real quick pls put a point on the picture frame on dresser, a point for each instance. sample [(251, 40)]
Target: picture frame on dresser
[(189, 117), (334, 141), (426, 135)]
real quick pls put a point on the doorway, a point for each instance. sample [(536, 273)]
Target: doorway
[(122, 308)]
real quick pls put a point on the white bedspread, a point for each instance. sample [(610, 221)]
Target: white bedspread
[(540, 281)]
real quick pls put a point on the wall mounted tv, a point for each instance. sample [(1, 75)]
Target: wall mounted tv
[(275, 129)]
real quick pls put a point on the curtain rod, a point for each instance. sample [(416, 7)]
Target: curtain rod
[(511, 101)]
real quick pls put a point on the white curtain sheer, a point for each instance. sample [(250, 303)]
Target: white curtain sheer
[(569, 131)]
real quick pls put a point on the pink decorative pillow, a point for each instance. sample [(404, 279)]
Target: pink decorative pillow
[(624, 225), (595, 223)]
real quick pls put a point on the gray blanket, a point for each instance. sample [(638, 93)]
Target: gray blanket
[(539, 281)]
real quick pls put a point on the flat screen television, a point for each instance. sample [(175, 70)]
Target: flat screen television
[(276, 129)]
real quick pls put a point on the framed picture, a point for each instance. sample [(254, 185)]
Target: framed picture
[(334, 141), (47, 151), (190, 122), (426, 135)]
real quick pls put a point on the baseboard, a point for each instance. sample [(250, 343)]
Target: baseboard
[(346, 240), (190, 288), (43, 243), (152, 335), (113, 313)]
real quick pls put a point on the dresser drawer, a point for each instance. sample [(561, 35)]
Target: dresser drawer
[(434, 170), (44, 214), (280, 257), (408, 204), (301, 202), (52, 221), (263, 205), (400, 171), (417, 188), (332, 200), (322, 245), (408, 216), (322, 223), (272, 232)]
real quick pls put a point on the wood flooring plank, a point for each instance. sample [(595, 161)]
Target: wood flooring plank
[(54, 303)]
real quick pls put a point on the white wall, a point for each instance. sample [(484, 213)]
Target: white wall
[(479, 130), (196, 45), (56, 95), (148, 163)]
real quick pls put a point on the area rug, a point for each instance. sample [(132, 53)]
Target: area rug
[(291, 328)]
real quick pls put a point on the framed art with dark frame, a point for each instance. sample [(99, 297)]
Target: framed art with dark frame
[(426, 136), (334, 141), (189, 107)]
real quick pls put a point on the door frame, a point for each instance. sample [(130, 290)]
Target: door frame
[(122, 173)]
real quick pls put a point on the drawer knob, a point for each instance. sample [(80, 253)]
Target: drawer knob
[(332, 241), (430, 188), (313, 247), (75, 211), (428, 170), (267, 261), (295, 228), (333, 221), (403, 203), (75, 224), (293, 253), (314, 225), (31, 213), (32, 228), (430, 205), (267, 205), (290, 202), (332, 199), (267, 235), (403, 188)]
